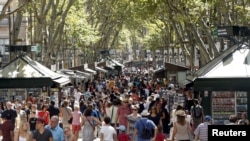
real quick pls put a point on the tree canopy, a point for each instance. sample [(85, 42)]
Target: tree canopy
[(94, 25)]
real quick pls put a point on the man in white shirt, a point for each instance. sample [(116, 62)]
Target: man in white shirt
[(77, 95), (108, 132), (201, 132)]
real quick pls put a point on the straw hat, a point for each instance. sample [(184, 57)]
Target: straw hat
[(145, 113), (181, 113)]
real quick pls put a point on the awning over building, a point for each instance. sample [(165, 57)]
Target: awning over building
[(223, 61), (229, 71), (74, 73), (185, 83), (62, 81), (115, 63), (24, 67), (101, 69), (158, 70), (175, 67), (90, 70), (235, 64), (24, 70)]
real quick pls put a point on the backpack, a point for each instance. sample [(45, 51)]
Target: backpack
[(146, 132), (197, 111)]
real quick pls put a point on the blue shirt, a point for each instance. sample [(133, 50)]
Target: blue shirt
[(140, 123), (57, 133)]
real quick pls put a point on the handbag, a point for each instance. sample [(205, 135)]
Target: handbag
[(71, 118)]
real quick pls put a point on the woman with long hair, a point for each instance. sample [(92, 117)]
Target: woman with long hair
[(181, 129), (23, 133), (65, 113), (44, 114), (165, 117), (89, 126), (155, 116)]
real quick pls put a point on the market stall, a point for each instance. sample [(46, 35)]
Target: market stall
[(23, 73), (223, 84)]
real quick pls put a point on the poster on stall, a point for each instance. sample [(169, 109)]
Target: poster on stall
[(223, 105), (55, 95)]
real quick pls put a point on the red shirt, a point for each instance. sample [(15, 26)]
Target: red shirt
[(6, 128), (44, 115), (31, 99), (122, 113), (123, 137), (160, 137)]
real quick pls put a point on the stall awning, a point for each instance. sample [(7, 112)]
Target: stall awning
[(158, 70), (90, 70), (117, 63), (184, 83), (62, 81), (101, 69), (222, 84), (25, 82)]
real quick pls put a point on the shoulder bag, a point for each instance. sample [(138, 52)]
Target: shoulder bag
[(71, 118), (90, 124)]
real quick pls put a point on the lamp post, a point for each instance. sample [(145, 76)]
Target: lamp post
[(71, 60), (38, 57), (53, 57), (148, 59)]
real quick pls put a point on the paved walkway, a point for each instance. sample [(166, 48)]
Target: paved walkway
[(80, 137)]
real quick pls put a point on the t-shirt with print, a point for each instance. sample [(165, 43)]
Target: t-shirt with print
[(42, 137)]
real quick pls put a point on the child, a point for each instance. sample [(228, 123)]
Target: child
[(122, 136), (160, 135)]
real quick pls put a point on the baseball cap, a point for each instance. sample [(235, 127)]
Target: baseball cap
[(208, 118), (40, 120), (121, 127)]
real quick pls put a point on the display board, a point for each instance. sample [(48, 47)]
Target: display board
[(223, 105), (241, 103)]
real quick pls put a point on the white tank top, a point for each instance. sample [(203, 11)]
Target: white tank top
[(22, 139)]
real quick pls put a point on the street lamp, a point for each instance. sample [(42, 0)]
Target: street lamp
[(157, 59), (38, 57), (53, 57)]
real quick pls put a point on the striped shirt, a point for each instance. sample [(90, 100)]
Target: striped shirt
[(202, 131)]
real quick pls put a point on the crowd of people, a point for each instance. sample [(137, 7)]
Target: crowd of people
[(115, 109)]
